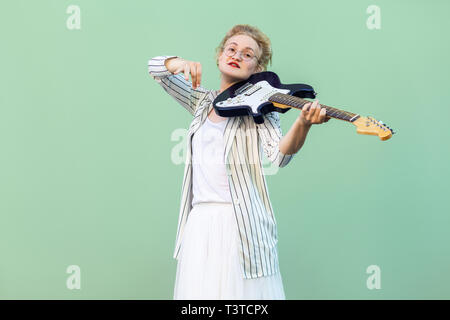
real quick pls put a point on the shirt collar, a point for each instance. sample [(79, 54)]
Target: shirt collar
[(211, 95)]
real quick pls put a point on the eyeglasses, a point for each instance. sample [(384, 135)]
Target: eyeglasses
[(246, 54)]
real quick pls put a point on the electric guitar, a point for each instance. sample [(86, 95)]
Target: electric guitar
[(263, 92)]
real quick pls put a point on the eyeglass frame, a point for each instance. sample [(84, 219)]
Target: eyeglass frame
[(240, 53)]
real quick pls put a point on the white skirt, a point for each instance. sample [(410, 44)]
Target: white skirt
[(208, 263)]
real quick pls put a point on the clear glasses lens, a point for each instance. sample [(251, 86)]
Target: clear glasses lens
[(247, 55)]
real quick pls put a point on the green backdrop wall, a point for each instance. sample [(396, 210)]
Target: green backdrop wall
[(90, 168)]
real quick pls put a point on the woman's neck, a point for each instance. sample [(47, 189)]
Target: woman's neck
[(227, 82)]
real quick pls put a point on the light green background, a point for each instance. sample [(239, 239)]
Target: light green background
[(86, 176)]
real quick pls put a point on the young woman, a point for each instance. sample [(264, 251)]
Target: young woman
[(226, 243)]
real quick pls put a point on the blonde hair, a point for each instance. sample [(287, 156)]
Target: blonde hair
[(261, 39)]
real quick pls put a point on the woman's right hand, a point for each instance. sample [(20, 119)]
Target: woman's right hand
[(177, 65)]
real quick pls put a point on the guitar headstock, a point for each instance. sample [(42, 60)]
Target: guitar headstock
[(369, 125)]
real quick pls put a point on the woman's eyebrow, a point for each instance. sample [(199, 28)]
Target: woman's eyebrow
[(244, 48)]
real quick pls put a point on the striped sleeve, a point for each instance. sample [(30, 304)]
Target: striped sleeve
[(175, 84), (270, 134)]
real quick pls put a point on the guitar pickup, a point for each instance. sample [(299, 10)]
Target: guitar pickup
[(252, 90)]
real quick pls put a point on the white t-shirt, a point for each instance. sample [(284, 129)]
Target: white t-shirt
[(210, 180)]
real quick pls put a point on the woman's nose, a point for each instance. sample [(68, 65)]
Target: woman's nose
[(238, 56)]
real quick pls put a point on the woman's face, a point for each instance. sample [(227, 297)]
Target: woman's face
[(245, 52)]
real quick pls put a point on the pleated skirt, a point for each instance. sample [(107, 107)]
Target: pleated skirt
[(208, 264)]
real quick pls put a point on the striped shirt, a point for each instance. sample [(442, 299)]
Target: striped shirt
[(245, 142)]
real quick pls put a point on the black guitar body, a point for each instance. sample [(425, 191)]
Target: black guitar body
[(298, 90)]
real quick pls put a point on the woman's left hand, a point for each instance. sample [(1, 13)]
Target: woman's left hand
[(313, 113)]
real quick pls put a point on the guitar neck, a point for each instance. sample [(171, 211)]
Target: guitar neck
[(284, 101)]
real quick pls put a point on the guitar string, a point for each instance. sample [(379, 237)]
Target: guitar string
[(299, 102)]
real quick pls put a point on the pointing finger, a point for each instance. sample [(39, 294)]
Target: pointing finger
[(186, 71), (199, 73), (193, 74)]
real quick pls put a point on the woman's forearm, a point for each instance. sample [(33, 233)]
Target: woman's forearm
[(294, 139)]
